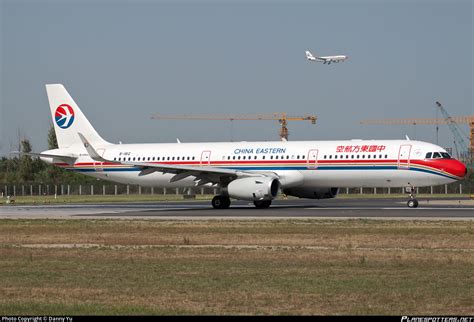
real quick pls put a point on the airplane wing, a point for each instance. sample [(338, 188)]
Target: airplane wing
[(203, 174)]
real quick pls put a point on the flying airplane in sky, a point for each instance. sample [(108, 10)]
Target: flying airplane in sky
[(326, 59), (254, 171)]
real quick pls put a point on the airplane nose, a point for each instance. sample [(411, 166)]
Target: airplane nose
[(457, 168)]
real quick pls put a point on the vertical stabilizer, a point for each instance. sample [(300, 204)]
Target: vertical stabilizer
[(68, 119)]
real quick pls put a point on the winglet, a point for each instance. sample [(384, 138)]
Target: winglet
[(90, 149)]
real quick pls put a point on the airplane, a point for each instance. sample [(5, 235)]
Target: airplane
[(326, 59), (252, 171)]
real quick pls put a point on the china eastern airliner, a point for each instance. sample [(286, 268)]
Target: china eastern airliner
[(253, 171)]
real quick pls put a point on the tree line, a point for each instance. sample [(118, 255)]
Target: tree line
[(25, 169)]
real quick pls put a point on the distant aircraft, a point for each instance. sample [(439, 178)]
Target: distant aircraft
[(326, 59), (253, 171)]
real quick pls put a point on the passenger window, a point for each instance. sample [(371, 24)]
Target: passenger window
[(298, 157), (352, 156), (358, 156), (368, 156), (347, 156), (363, 156), (263, 157), (335, 157), (271, 157), (238, 157), (386, 156), (324, 157), (287, 157), (330, 157)]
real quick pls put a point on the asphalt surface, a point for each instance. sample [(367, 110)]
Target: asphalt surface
[(432, 209)]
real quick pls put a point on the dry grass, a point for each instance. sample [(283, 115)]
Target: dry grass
[(244, 267)]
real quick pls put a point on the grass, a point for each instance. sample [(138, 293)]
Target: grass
[(72, 199), (32, 200), (77, 267)]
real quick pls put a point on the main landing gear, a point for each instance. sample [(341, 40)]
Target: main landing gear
[(412, 203), (261, 204), (221, 202)]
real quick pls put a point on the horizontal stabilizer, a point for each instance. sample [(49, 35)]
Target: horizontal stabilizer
[(67, 158)]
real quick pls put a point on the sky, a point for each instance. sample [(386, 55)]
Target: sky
[(123, 61)]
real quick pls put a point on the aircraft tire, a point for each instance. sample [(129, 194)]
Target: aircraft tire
[(262, 204), (412, 203), (220, 202)]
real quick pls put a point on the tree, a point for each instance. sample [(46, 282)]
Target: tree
[(26, 163), (52, 140)]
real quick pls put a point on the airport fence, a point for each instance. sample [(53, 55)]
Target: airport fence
[(465, 187), (96, 190)]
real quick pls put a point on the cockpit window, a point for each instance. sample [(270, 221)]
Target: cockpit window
[(438, 155)]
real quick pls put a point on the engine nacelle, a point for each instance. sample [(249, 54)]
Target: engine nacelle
[(254, 188), (312, 193)]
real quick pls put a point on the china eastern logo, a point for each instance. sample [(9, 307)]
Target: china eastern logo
[(64, 116)]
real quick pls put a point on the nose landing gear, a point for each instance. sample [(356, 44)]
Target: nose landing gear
[(412, 203)]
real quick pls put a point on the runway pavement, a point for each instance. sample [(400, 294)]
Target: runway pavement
[(431, 209)]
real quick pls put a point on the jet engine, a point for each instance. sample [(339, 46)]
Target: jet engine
[(254, 188), (312, 193)]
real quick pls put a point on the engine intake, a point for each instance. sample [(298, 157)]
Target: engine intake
[(254, 188), (313, 193)]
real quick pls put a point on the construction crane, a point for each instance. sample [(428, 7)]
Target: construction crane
[(454, 127), (447, 120), (281, 117)]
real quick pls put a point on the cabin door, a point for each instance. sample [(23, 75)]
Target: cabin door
[(206, 158), (404, 156), (312, 160), (99, 166)]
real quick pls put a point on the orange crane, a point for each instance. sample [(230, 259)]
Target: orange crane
[(281, 117), (415, 121)]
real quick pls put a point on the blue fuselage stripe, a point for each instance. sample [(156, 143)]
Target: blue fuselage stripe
[(281, 168)]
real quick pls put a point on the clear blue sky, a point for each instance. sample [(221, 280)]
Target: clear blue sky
[(125, 60)]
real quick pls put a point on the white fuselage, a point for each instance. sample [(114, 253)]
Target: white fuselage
[(349, 163)]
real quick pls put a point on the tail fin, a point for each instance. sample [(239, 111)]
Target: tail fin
[(309, 55), (68, 119)]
